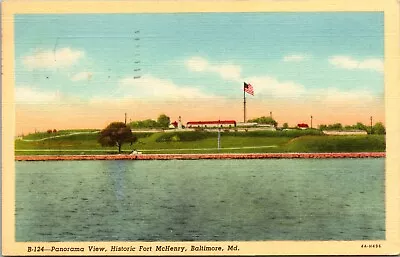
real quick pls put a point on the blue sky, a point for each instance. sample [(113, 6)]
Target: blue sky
[(95, 57)]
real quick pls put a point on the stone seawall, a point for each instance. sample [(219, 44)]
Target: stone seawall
[(199, 156)]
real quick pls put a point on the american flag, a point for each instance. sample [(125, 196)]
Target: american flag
[(248, 88)]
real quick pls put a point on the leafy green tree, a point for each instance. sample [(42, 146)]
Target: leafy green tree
[(144, 124), (336, 126), (285, 125), (163, 121), (323, 127), (379, 128), (116, 134), (149, 123), (264, 120), (360, 126)]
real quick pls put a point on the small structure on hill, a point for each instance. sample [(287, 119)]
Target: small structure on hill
[(176, 124), (180, 122), (212, 124), (247, 124), (302, 126), (252, 126), (265, 125), (173, 125), (344, 132)]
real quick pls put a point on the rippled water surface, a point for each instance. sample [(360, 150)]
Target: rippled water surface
[(202, 200)]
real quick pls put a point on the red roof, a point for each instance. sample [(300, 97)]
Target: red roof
[(211, 122), (302, 125), (175, 124)]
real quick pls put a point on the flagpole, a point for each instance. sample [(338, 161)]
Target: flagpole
[(244, 104)]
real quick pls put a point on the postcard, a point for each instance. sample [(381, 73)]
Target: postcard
[(200, 128)]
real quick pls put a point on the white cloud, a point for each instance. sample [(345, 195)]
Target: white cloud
[(85, 75), (26, 94), (197, 64), (266, 85), (347, 62), (372, 64), (49, 59), (227, 71), (270, 88), (335, 95), (263, 85), (295, 58), (149, 86), (344, 62)]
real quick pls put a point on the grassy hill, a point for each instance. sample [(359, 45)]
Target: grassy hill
[(85, 142), (315, 144)]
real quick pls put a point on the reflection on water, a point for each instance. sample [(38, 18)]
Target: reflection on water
[(117, 172), (204, 200)]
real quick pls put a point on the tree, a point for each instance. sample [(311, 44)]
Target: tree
[(336, 126), (149, 123), (116, 134), (360, 126), (264, 120), (378, 128), (144, 124), (163, 121), (285, 125), (323, 127)]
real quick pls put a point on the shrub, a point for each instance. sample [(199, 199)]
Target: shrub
[(142, 134), (264, 120), (175, 138), (185, 136), (379, 128)]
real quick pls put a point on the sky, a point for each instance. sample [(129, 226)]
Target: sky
[(86, 70)]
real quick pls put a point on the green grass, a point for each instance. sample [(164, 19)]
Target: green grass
[(367, 143), (80, 141), (226, 142), (198, 135), (249, 142), (42, 135)]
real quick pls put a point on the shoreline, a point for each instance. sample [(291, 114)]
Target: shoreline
[(200, 156)]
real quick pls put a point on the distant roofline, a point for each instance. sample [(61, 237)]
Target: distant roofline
[(211, 122), (302, 125)]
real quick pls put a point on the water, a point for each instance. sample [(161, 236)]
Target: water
[(202, 200)]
